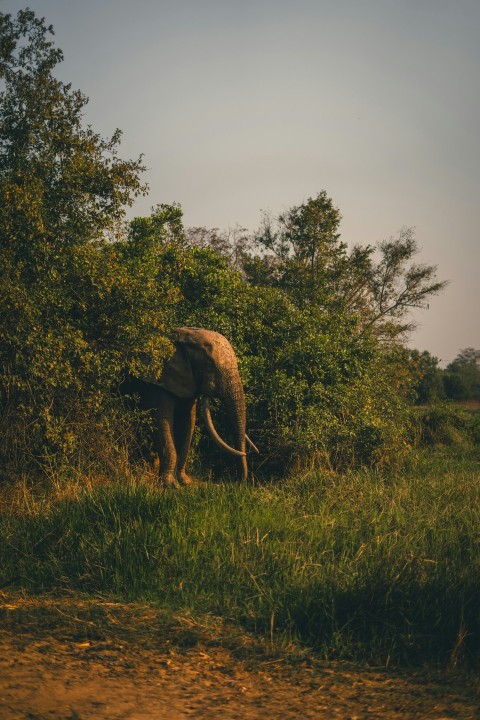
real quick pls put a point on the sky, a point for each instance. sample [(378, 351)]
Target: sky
[(251, 105)]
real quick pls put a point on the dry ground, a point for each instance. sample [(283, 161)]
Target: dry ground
[(67, 659)]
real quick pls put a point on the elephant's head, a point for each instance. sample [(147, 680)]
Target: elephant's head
[(204, 364)]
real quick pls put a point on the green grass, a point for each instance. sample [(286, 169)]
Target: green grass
[(360, 565)]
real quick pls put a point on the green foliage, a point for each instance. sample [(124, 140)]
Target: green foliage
[(462, 376), (301, 253), (320, 389), (446, 424), (427, 377), (76, 307), (460, 380), (361, 565), (398, 284), (304, 255)]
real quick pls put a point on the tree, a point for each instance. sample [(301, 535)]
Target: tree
[(427, 377), (301, 253), (76, 309), (462, 376), (397, 285), (233, 244), (317, 329), (317, 391)]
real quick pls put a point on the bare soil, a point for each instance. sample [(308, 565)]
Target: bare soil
[(68, 659)]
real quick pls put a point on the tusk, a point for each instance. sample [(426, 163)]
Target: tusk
[(254, 447), (209, 423)]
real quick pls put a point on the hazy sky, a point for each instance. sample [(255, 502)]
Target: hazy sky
[(243, 105)]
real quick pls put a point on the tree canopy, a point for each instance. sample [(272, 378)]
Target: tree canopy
[(462, 376), (76, 307), (301, 252)]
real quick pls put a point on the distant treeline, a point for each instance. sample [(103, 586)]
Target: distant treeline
[(86, 297), (460, 380)]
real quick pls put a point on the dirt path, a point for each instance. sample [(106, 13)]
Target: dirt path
[(72, 660)]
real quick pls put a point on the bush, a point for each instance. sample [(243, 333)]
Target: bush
[(445, 424), (77, 308), (318, 391)]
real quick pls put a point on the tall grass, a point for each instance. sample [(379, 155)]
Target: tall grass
[(383, 567)]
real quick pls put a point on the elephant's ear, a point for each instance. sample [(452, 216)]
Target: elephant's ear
[(177, 376)]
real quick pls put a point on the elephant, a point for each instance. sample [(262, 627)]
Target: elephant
[(203, 365)]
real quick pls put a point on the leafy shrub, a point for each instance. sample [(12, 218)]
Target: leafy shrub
[(318, 391), (445, 424), (76, 307)]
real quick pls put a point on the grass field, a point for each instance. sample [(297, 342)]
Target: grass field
[(378, 567)]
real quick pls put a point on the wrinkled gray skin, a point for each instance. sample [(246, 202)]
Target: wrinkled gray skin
[(203, 364)]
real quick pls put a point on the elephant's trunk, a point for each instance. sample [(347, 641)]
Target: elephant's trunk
[(229, 389)]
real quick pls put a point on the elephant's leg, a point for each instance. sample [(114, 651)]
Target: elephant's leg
[(184, 425), (165, 411)]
